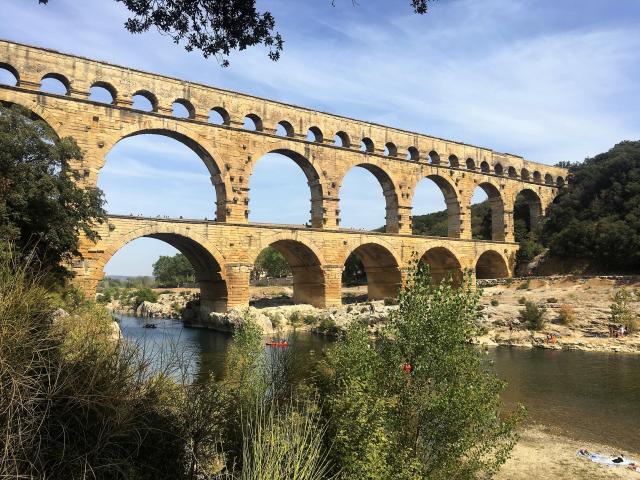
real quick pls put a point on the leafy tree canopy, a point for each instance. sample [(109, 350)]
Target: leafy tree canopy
[(173, 271), (41, 207), (271, 263), (214, 27), (598, 218)]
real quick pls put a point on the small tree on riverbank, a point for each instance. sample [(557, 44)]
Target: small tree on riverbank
[(533, 316), (621, 311), (421, 402)]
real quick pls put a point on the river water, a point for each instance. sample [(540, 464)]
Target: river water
[(585, 395)]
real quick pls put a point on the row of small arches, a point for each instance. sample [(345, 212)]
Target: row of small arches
[(145, 100)]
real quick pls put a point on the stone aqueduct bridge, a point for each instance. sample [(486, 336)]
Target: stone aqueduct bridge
[(224, 250)]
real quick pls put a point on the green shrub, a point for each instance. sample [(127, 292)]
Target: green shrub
[(143, 295), (522, 300), (526, 285), (567, 315), (621, 311), (328, 325), (390, 301), (440, 420), (177, 308), (310, 319), (296, 319), (533, 316), (495, 302), (552, 300)]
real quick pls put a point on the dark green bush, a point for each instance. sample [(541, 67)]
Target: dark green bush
[(390, 301), (533, 316)]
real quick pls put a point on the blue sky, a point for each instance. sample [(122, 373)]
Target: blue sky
[(547, 80)]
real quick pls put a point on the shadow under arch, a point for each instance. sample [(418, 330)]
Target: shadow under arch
[(451, 200), (381, 268), (491, 265), (392, 221), (206, 261), (194, 145), (497, 211), (442, 264), (313, 181), (306, 268)]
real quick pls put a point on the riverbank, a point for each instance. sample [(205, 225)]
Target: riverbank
[(545, 455), (588, 298)]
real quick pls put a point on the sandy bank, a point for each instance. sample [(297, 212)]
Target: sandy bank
[(544, 455)]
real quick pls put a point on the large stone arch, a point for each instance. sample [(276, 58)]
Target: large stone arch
[(389, 190), (382, 267), (313, 181), (443, 263), (206, 259), (305, 261), (181, 133), (491, 264), (451, 200), (533, 201), (497, 210)]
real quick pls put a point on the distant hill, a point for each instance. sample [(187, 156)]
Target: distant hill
[(436, 224), (596, 221)]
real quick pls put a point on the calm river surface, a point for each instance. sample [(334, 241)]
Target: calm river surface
[(585, 395)]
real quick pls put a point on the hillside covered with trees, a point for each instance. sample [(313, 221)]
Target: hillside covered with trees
[(597, 220)]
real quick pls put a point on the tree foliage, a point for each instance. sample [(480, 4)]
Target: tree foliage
[(597, 219), (439, 420), (271, 264), (213, 27), (42, 209), (173, 271)]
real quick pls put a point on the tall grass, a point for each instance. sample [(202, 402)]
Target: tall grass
[(77, 403), (74, 403), (285, 442)]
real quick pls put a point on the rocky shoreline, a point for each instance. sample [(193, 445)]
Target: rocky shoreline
[(588, 297)]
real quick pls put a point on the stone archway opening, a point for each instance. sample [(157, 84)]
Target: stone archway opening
[(491, 265), (302, 268), (527, 212), (158, 173), (443, 264), (436, 209), (8, 75), (285, 188), (376, 267), (368, 200), (205, 287), (487, 213)]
